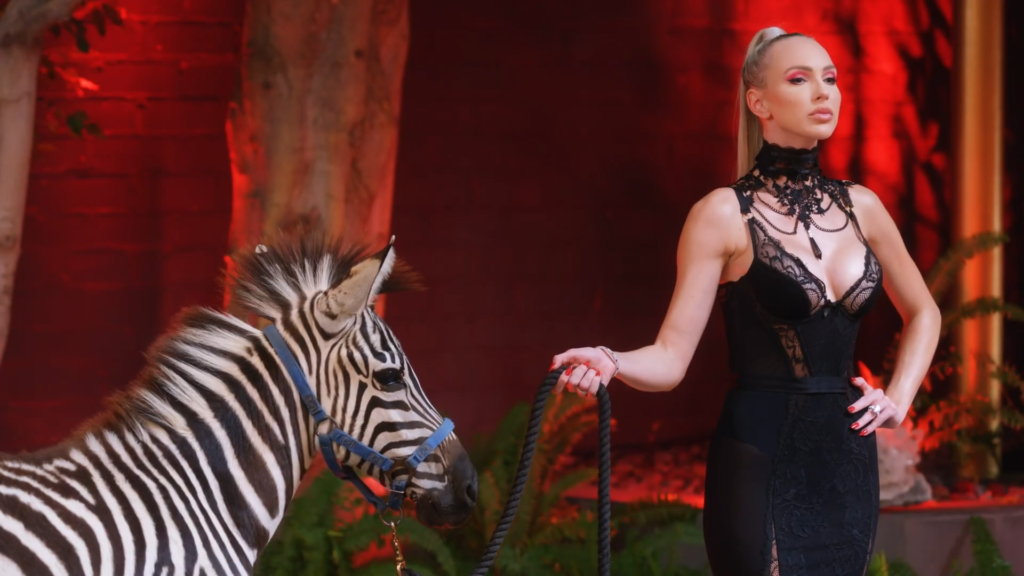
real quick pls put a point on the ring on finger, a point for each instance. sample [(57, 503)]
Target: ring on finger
[(876, 408)]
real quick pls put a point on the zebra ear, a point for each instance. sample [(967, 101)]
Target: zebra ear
[(352, 294)]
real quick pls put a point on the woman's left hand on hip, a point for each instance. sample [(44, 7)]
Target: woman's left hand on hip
[(882, 412)]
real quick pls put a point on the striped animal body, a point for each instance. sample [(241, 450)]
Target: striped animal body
[(190, 470)]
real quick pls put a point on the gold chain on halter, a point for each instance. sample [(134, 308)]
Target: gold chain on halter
[(399, 559)]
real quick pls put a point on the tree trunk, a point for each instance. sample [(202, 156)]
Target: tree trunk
[(313, 127), (21, 29)]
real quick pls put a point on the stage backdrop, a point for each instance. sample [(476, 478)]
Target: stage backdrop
[(549, 155)]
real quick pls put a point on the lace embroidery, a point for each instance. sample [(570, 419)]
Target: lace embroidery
[(799, 168), (822, 464), (822, 499)]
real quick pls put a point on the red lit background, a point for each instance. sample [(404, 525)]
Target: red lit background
[(549, 154)]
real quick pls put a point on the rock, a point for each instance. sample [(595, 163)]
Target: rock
[(900, 483)]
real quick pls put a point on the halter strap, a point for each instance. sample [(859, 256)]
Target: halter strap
[(336, 435)]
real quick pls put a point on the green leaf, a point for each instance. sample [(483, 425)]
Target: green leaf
[(302, 544), (987, 557), (76, 122), (413, 533), (944, 271), (553, 495), (978, 307), (878, 566)]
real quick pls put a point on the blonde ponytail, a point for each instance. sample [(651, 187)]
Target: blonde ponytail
[(749, 137)]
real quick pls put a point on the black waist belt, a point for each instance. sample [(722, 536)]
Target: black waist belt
[(805, 385)]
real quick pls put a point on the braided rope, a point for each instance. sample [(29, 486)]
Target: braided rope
[(604, 553)]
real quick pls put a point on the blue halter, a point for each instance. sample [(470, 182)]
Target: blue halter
[(336, 435)]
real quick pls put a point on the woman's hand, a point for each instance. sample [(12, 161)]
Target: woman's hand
[(887, 414), (588, 368)]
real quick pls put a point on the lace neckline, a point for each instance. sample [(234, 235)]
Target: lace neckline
[(793, 178), (795, 164)]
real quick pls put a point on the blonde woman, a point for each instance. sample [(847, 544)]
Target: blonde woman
[(792, 477)]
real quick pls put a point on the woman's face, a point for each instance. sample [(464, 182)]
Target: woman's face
[(799, 103)]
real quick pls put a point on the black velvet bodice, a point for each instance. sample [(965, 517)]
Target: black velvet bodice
[(779, 320)]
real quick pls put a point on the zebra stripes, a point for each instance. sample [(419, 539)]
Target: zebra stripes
[(190, 470)]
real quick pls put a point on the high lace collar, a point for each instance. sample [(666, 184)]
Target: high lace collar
[(796, 164)]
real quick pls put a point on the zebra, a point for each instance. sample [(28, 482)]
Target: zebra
[(190, 469)]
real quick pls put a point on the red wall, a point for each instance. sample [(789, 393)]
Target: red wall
[(123, 231), (549, 154)]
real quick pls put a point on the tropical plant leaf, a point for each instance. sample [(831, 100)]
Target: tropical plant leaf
[(302, 543), (413, 533), (942, 274), (987, 558), (572, 529), (979, 307), (553, 494)]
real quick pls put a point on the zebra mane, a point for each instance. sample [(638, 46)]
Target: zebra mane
[(273, 282), (268, 283)]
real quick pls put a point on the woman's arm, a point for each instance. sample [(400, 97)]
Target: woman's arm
[(712, 234), (910, 295)]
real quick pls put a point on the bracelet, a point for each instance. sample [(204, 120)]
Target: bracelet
[(614, 358)]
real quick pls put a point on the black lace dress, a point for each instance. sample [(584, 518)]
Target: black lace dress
[(791, 488)]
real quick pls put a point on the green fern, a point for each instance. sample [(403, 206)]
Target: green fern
[(881, 566), (984, 306), (549, 535), (952, 418), (988, 561), (303, 545), (943, 273)]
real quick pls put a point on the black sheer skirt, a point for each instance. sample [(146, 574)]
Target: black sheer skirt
[(791, 489)]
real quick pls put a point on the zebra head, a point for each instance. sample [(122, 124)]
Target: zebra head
[(321, 299)]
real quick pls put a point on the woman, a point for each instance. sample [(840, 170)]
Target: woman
[(792, 476)]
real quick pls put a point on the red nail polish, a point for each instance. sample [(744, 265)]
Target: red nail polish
[(855, 425), (598, 372), (850, 409), (568, 371), (863, 432)]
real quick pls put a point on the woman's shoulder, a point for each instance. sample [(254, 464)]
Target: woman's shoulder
[(719, 204), (862, 197)]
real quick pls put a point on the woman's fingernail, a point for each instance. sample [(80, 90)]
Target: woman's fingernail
[(850, 408), (863, 432), (568, 371), (855, 425), (598, 372)]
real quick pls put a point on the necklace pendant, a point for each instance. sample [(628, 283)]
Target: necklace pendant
[(814, 247)]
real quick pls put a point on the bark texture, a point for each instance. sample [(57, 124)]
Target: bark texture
[(313, 127), (21, 31)]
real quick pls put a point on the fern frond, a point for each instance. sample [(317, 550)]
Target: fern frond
[(414, 534), (553, 494), (652, 513), (987, 557), (984, 306), (567, 531), (942, 274), (302, 544)]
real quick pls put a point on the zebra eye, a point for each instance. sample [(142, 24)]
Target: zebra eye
[(389, 377)]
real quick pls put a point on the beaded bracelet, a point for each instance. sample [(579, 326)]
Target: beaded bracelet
[(614, 358)]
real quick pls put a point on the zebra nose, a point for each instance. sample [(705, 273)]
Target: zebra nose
[(465, 479)]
